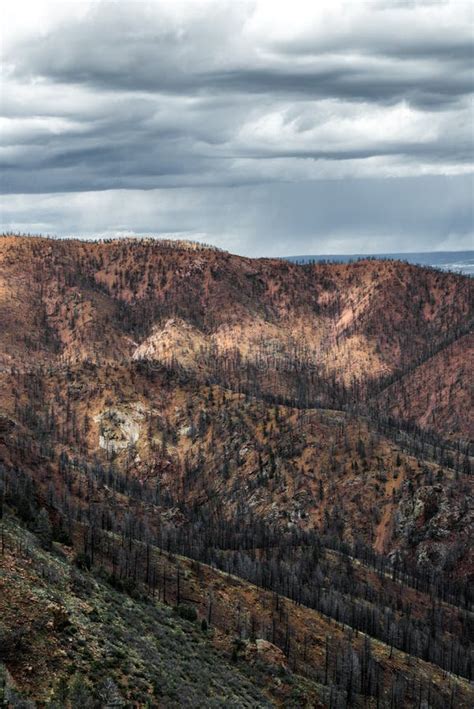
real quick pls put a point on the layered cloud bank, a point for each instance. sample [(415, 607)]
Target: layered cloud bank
[(262, 127)]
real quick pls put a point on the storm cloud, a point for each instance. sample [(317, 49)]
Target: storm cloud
[(265, 128)]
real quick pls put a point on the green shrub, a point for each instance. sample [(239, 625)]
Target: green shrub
[(186, 612), (82, 561)]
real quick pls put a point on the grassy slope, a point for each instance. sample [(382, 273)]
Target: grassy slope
[(57, 621), (67, 621)]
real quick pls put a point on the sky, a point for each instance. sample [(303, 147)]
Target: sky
[(262, 127)]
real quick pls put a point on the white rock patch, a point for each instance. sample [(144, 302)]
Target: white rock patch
[(119, 428)]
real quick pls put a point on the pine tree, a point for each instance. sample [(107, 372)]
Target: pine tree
[(80, 693), (43, 529), (109, 694), (59, 696)]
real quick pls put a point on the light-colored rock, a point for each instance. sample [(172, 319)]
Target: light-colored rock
[(119, 427), (265, 651)]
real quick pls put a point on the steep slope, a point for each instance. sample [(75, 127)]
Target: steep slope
[(90, 639), (314, 334), (80, 633), (175, 343), (208, 448), (437, 395)]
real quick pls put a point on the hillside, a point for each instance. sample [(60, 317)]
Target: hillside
[(86, 639), (281, 449), (312, 335), (437, 394), (89, 625), (212, 451)]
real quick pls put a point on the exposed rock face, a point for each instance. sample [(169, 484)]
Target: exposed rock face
[(428, 519), (176, 342), (264, 651), (119, 428)]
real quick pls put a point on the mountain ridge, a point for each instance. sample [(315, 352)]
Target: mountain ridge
[(345, 325), (174, 419)]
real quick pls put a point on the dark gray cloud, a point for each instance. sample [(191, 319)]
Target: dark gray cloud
[(147, 51), (179, 101)]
